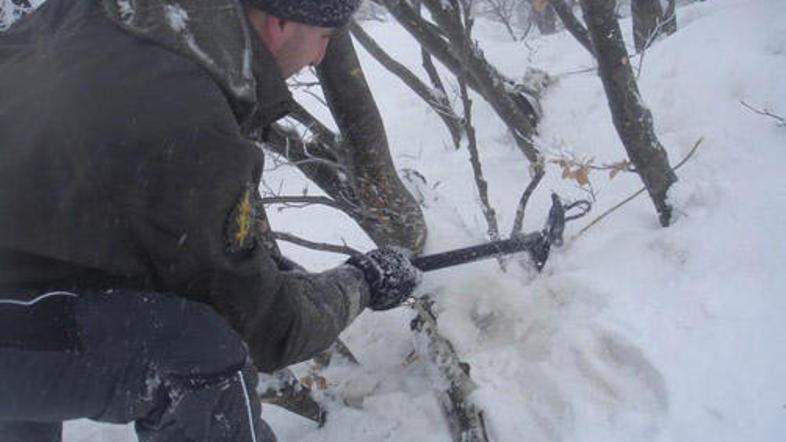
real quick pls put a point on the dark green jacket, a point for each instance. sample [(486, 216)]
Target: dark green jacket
[(125, 162)]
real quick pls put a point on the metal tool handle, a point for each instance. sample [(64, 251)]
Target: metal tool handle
[(537, 244), (475, 253)]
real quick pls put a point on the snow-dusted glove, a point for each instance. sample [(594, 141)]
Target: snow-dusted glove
[(390, 275)]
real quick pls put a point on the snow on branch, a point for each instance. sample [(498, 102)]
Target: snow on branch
[(450, 376)]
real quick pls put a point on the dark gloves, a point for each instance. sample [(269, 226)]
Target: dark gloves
[(390, 275)]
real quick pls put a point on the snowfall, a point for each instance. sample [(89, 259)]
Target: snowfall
[(632, 332)]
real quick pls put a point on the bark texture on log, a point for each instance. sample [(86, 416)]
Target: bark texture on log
[(282, 388), (632, 119), (450, 375)]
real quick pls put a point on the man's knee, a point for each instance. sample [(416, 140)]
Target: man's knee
[(30, 431), (176, 335), (223, 407), (199, 341)]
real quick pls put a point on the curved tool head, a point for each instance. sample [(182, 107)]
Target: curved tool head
[(555, 224)]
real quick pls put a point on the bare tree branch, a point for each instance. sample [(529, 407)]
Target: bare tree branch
[(327, 138), (472, 145), (477, 170), (670, 18), (572, 24), (518, 222), (646, 17), (659, 30), (302, 201), (426, 33), (503, 12), (439, 103), (488, 80), (322, 247), (461, 53), (330, 175), (781, 121), (436, 81), (431, 70)]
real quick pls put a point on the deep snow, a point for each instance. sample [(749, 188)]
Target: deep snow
[(633, 332)]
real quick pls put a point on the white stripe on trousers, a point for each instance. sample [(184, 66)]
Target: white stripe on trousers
[(37, 300), (248, 406)]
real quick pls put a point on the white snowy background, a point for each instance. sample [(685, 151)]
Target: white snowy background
[(632, 332)]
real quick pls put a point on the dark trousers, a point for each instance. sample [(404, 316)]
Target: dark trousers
[(172, 366)]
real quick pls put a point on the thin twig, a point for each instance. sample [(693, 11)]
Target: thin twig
[(606, 213), (650, 40), (637, 193), (323, 247), (296, 84), (326, 136), (571, 159), (781, 121), (301, 201), (502, 11), (439, 103), (580, 71), (477, 169)]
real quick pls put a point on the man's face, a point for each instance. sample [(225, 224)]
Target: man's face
[(293, 45), (304, 46)]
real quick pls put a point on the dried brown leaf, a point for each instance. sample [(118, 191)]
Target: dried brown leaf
[(582, 176)]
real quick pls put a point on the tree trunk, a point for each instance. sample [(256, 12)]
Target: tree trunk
[(572, 24), (670, 18), (632, 119), (544, 16), (646, 16), (393, 215)]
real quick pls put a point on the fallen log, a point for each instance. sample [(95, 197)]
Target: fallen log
[(450, 377)]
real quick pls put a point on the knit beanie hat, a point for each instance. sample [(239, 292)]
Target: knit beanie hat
[(324, 13)]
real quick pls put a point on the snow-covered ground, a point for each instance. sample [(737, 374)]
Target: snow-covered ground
[(632, 332)]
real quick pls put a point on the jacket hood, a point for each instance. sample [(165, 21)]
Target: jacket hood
[(216, 35)]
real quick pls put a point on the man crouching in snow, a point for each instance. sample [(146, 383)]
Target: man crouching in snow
[(136, 283)]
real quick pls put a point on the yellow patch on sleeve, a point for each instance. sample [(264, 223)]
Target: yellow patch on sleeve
[(243, 219), (240, 232)]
